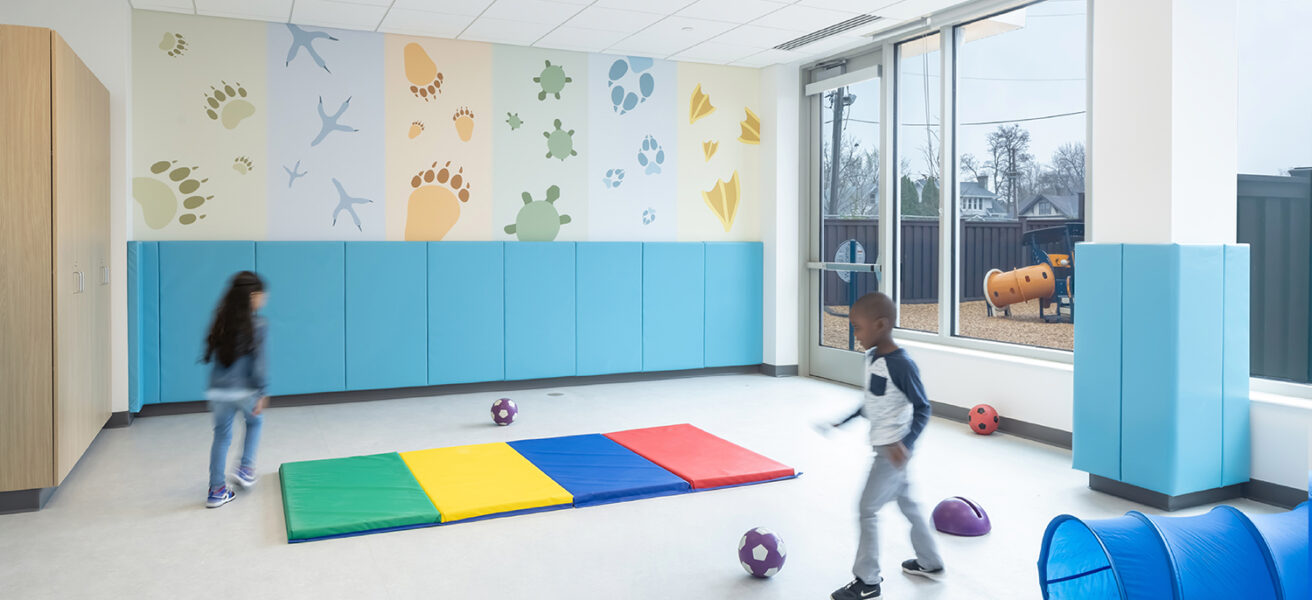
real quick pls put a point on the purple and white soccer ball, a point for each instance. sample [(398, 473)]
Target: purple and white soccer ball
[(504, 411), (761, 552)]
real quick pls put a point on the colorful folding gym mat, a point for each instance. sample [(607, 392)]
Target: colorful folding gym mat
[(369, 494), (339, 497), (703, 460), (596, 470)]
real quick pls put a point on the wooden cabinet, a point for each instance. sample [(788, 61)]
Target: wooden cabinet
[(54, 252)]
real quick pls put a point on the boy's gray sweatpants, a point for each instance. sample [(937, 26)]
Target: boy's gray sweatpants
[(887, 483)]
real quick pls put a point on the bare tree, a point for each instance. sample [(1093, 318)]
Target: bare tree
[(970, 165), (1009, 146), (1068, 164)]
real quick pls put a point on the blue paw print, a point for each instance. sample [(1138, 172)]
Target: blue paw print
[(626, 75), (648, 216), (651, 156), (613, 178)]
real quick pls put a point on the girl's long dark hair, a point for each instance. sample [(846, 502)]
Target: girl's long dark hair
[(233, 333)]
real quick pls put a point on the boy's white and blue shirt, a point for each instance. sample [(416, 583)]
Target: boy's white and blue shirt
[(895, 401)]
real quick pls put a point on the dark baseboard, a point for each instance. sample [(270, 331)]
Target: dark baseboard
[(1022, 429), (1274, 494), (1162, 501), (24, 500), (779, 370), (122, 418), (179, 408)]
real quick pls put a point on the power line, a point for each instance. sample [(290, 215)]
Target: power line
[(1021, 120)]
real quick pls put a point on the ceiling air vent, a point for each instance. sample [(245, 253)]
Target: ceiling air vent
[(835, 29)]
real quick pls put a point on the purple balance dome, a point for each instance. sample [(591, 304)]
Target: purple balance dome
[(961, 516), (761, 552)]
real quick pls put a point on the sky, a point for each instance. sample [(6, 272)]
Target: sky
[(1038, 70)]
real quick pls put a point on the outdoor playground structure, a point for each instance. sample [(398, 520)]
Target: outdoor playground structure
[(1050, 280)]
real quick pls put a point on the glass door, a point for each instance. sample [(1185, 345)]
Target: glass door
[(845, 214)]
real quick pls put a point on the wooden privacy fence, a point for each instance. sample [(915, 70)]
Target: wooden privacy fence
[(984, 245), (1275, 219)]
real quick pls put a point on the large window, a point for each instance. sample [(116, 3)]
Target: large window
[(919, 178), (1019, 141)]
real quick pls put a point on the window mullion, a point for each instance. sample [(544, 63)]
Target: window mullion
[(947, 185)]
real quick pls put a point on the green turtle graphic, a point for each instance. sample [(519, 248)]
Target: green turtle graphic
[(538, 220)]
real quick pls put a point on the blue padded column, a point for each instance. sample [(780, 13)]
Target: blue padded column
[(1096, 442), (386, 315), (306, 311), (734, 303), (466, 312), (143, 324), (1171, 367), (673, 305), (540, 310), (609, 307), (1236, 445), (192, 277)]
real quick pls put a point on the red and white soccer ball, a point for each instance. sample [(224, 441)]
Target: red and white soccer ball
[(761, 552), (504, 411)]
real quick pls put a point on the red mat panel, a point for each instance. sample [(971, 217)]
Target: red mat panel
[(703, 460)]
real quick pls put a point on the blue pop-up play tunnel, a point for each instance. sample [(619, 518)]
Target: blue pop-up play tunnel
[(1219, 554)]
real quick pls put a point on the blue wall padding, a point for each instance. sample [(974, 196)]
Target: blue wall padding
[(1171, 367), (1236, 455), (609, 307), (143, 324), (673, 306), (386, 315), (306, 311), (734, 303), (540, 310), (596, 470), (466, 312), (1096, 439), (1219, 554), (193, 277)]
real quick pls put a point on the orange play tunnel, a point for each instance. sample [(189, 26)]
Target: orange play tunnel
[(1027, 283)]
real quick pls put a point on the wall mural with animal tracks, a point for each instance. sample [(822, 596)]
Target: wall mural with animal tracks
[(277, 131)]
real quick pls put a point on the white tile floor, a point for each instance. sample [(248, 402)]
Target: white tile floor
[(129, 521)]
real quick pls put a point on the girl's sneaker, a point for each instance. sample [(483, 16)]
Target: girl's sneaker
[(219, 497), (245, 476)]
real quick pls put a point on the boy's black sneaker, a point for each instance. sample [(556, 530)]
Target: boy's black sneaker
[(912, 567), (857, 590)]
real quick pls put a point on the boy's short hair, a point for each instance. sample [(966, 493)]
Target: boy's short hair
[(875, 305)]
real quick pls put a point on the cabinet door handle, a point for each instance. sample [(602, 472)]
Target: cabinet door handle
[(104, 275), (77, 282)]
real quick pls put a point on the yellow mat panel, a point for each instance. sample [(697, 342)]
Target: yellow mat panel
[(465, 482)]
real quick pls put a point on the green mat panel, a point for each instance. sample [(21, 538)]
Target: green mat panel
[(340, 497)]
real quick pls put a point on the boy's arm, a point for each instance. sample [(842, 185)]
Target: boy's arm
[(906, 377), (848, 418)]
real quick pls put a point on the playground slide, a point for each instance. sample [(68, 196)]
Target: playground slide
[(1220, 554)]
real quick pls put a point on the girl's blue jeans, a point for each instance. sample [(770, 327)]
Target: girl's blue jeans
[(224, 413)]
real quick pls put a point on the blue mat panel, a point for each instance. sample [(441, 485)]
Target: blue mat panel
[(734, 303), (466, 312), (673, 306), (386, 315), (306, 311), (1236, 446), (597, 470), (1096, 439), (192, 277), (540, 310), (143, 324), (609, 307)]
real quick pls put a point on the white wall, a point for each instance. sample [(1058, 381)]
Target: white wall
[(780, 229), (100, 32)]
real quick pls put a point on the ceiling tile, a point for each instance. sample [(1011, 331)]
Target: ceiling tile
[(911, 9), (486, 29), (166, 5), (766, 58), (580, 39), (716, 53), (471, 8), (732, 11), (664, 7), (325, 13), (382, 3), (532, 11), (613, 19), (422, 22), (688, 30), (756, 37), (803, 18), (647, 46), (264, 10), (867, 7)]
